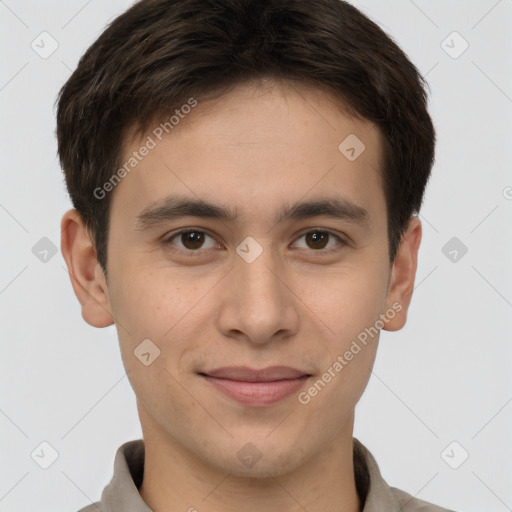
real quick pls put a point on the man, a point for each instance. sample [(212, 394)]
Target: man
[(246, 177)]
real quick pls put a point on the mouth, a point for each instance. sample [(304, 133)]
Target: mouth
[(256, 388)]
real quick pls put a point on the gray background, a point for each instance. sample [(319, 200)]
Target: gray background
[(444, 378)]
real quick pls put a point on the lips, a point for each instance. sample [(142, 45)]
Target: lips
[(245, 374), (256, 388)]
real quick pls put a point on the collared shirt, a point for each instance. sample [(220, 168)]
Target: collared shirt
[(122, 495)]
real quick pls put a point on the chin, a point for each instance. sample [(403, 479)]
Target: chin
[(259, 460)]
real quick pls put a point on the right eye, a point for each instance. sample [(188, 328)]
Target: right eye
[(191, 240)]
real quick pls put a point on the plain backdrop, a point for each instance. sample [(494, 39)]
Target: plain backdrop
[(437, 412)]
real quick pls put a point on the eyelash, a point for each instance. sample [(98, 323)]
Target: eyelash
[(168, 241)]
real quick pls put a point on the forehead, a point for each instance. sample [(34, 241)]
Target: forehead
[(275, 141)]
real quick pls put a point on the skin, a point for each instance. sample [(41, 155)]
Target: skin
[(255, 149)]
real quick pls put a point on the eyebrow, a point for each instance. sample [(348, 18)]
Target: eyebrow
[(174, 207)]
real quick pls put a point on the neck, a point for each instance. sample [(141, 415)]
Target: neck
[(177, 480)]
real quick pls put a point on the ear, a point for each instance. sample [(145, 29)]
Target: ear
[(403, 273), (86, 274)]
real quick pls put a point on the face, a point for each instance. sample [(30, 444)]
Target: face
[(254, 281)]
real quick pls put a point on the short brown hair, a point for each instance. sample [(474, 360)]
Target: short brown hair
[(160, 53)]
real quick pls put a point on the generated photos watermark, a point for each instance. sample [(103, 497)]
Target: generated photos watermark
[(304, 397), (150, 143)]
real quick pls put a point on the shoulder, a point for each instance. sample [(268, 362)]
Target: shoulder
[(122, 491), (93, 507), (409, 503), (376, 494)]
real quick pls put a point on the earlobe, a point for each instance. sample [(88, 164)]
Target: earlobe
[(403, 274), (87, 277)]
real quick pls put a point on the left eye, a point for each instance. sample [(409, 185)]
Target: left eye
[(193, 240), (319, 239)]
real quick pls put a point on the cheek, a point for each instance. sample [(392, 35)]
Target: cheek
[(346, 301), (350, 306), (153, 302), (167, 308), (347, 358), (153, 311)]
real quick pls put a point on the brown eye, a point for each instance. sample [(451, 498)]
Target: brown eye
[(317, 239), (191, 240), (320, 241)]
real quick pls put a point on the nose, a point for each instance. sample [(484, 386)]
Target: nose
[(256, 303)]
